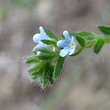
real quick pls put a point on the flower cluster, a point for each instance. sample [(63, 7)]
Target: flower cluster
[(67, 46), (49, 54)]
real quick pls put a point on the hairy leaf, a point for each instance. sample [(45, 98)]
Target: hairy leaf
[(46, 57), (51, 34), (47, 50), (36, 75), (104, 29), (38, 78), (98, 45), (31, 59), (81, 41), (49, 42), (45, 78), (35, 67), (58, 67), (50, 74), (85, 35)]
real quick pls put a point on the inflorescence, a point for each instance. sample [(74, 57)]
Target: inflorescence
[(48, 56)]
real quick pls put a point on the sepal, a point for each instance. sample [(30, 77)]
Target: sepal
[(50, 34)]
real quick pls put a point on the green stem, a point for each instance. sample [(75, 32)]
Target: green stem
[(106, 38), (91, 42)]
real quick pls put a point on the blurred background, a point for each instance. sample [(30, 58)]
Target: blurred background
[(84, 83)]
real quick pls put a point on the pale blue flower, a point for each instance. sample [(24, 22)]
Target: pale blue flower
[(68, 45), (38, 46), (38, 37)]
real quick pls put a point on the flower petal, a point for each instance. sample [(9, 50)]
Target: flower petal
[(74, 41), (66, 35), (43, 34), (62, 43), (39, 53), (72, 51), (41, 29), (36, 38), (34, 48), (39, 46), (64, 51)]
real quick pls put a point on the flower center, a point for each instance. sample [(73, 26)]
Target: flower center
[(71, 44)]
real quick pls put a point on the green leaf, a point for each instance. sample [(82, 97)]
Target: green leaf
[(85, 35), (35, 67), (31, 59), (50, 74), (49, 42), (45, 78), (46, 57), (81, 41), (47, 74), (50, 34), (104, 29), (36, 75), (58, 67), (98, 45), (62, 36), (77, 52), (47, 50), (35, 52)]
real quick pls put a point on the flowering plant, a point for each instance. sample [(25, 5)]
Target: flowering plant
[(48, 55)]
